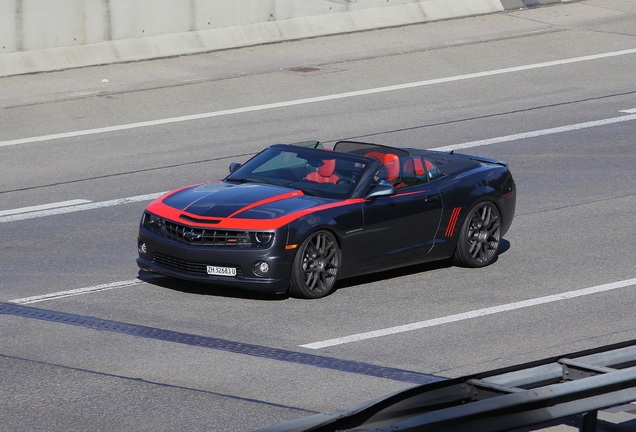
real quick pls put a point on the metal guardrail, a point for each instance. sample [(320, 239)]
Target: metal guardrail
[(500, 400)]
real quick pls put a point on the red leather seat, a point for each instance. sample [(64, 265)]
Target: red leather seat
[(324, 173), (414, 166), (391, 163)]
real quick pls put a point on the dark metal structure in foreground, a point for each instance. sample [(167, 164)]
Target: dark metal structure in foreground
[(500, 400)]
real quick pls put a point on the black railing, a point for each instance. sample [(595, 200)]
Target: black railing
[(501, 400)]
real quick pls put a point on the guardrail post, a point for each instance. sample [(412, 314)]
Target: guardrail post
[(589, 421)]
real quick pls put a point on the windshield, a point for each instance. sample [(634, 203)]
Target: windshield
[(316, 172)]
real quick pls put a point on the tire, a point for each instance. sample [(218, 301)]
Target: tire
[(316, 265), (478, 242)]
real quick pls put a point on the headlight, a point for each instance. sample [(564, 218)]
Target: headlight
[(264, 237), (154, 223)]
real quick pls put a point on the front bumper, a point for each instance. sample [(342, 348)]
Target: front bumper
[(170, 258)]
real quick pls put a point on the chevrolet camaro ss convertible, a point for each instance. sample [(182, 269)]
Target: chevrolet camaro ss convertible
[(296, 218)]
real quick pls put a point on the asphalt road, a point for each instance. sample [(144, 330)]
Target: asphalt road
[(89, 343)]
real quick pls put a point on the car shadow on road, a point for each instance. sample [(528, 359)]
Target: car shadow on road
[(392, 274), (504, 246), (233, 292)]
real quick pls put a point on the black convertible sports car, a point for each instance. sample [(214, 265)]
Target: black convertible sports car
[(296, 218)]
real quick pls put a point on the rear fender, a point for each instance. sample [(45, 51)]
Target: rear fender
[(505, 204)]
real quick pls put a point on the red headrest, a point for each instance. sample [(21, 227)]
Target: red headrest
[(327, 168), (390, 161)]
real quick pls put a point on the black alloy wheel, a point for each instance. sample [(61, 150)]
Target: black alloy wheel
[(479, 238), (316, 266)]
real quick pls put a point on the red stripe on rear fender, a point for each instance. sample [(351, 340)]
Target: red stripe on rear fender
[(450, 229)]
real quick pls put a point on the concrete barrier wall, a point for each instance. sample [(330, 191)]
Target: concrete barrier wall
[(45, 35)]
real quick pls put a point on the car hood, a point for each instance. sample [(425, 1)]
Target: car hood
[(246, 201)]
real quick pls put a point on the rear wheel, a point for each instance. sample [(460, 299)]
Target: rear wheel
[(479, 237), (316, 266)]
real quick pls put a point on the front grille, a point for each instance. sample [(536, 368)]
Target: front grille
[(207, 237), (194, 268)]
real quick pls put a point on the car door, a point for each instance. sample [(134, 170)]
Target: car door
[(398, 229)]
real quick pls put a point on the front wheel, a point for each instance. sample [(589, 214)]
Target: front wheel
[(316, 266), (479, 237)]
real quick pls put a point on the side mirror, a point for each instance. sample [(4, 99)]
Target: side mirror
[(382, 189), (234, 166)]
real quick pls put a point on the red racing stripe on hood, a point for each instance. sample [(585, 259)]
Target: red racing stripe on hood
[(160, 209), (293, 194)]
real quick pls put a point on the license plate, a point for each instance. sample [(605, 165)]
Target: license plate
[(221, 271)]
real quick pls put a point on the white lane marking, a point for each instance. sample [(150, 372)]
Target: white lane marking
[(75, 292), (630, 111), (43, 207), (538, 133), (17, 215), (77, 208), (472, 314), (314, 99)]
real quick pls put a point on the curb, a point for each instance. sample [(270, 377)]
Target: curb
[(300, 24)]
